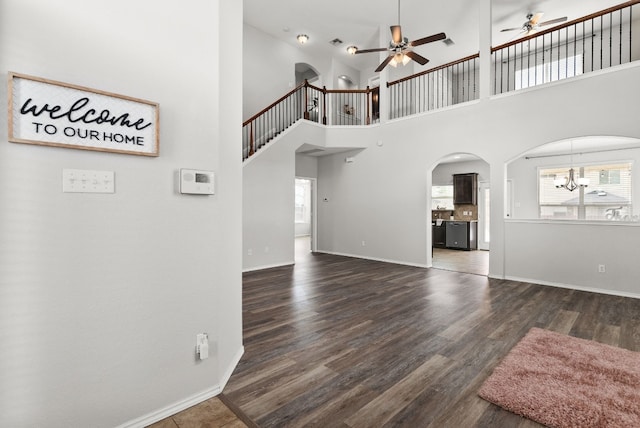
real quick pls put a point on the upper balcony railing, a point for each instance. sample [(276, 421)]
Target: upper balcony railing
[(439, 87), (594, 42)]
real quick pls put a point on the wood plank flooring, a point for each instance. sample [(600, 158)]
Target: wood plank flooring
[(344, 342)]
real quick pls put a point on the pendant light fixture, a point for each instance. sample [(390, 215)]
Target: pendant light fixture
[(570, 183)]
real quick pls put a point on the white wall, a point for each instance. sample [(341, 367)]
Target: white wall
[(306, 166), (339, 69), (268, 197), (443, 173), (269, 69), (568, 255), (102, 295)]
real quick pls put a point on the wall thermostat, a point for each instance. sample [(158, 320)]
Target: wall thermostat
[(197, 182)]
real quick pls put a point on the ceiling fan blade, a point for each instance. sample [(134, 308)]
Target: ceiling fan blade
[(553, 21), (416, 57), (359, 51), (535, 18), (511, 29), (396, 34), (434, 38), (384, 63)]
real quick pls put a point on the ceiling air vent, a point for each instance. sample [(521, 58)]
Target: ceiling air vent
[(336, 42), (448, 42)]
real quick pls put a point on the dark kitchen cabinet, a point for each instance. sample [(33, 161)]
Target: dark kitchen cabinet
[(465, 189), (438, 239)]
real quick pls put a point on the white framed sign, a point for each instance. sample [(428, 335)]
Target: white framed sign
[(50, 113)]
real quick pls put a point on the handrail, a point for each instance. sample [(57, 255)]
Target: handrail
[(431, 70), (273, 104), (566, 24), (295, 104), (347, 91)]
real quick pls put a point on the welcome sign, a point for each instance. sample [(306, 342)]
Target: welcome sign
[(58, 114)]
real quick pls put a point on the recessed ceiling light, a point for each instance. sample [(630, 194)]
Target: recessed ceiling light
[(285, 29), (302, 38)]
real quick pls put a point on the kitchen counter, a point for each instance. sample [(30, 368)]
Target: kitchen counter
[(433, 222)]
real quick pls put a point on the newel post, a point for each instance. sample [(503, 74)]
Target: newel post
[(368, 100), (324, 105), (306, 99), (252, 147)]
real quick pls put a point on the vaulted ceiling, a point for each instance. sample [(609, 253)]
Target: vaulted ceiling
[(358, 22)]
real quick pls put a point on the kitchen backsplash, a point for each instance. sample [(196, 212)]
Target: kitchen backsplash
[(466, 212), (461, 212)]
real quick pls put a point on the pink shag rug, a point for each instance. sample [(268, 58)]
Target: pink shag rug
[(562, 381)]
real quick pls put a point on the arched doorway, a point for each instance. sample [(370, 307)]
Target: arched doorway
[(460, 214), (304, 71)]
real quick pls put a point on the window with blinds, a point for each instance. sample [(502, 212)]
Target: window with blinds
[(607, 197)]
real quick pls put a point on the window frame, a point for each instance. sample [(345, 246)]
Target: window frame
[(581, 206)]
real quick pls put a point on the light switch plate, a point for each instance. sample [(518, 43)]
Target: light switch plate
[(87, 181)]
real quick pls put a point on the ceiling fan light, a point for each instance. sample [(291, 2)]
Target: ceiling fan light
[(302, 38), (399, 58), (352, 50)]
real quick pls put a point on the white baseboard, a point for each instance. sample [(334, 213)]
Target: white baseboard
[(181, 405), (234, 363), (251, 269), (395, 262), (172, 409), (574, 287)]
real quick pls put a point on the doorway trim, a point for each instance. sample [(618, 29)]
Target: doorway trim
[(314, 211), (483, 218)]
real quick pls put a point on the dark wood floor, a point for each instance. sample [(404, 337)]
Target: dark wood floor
[(343, 342)]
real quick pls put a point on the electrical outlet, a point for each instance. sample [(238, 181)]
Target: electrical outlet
[(202, 345), (249, 252), (602, 269)]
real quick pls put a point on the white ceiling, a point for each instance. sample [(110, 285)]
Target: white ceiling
[(357, 22)]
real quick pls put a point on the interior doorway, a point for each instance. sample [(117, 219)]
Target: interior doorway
[(459, 214), (305, 215), (304, 71)]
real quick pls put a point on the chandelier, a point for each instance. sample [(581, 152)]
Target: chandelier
[(569, 182)]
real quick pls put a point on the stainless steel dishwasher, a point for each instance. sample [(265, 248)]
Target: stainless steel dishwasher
[(457, 234)]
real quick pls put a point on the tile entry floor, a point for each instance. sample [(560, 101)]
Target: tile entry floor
[(476, 262), (212, 413)]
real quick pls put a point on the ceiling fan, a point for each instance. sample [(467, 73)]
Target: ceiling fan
[(533, 24), (400, 48)]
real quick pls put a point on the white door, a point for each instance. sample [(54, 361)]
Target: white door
[(484, 215)]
